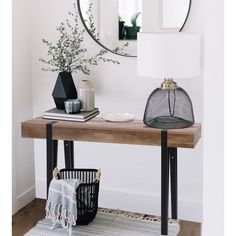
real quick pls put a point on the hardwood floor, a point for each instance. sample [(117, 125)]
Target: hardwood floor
[(28, 216)]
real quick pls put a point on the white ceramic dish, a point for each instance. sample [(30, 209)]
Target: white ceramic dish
[(118, 117)]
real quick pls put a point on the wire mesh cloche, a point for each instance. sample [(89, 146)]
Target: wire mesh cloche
[(169, 109)]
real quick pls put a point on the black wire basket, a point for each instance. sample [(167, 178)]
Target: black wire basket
[(169, 109), (87, 192)]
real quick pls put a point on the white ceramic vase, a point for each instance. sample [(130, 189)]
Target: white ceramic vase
[(86, 94)]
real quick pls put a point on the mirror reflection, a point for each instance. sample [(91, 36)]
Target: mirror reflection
[(130, 19), (114, 24)]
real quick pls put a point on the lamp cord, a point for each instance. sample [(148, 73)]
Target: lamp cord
[(173, 112)]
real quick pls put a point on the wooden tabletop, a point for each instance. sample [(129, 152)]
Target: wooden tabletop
[(99, 130)]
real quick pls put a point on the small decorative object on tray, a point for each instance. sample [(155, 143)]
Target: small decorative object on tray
[(118, 117), (57, 114), (72, 106), (86, 94)]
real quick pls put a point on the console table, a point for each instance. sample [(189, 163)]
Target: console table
[(134, 132)]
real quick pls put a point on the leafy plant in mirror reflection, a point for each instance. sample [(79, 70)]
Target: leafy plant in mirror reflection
[(91, 26), (134, 18), (120, 18), (68, 53)]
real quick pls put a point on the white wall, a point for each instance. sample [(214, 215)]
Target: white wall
[(213, 129), (22, 150), (131, 174)]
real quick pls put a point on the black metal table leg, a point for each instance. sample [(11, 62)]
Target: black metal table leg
[(174, 182), (52, 146), (69, 154), (164, 183)]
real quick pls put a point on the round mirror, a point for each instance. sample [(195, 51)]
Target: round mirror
[(114, 24)]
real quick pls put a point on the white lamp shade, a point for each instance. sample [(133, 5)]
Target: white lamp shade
[(168, 55)]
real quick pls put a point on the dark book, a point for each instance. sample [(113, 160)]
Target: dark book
[(56, 114)]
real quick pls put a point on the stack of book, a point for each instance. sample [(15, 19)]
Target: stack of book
[(56, 114)]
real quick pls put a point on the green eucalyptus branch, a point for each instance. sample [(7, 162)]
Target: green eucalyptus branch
[(90, 22), (68, 53), (122, 48)]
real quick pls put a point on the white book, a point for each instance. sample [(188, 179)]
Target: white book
[(62, 114), (71, 118)]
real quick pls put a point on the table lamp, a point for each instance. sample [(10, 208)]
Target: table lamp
[(169, 56)]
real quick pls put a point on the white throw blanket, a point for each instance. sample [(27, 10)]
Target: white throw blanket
[(61, 206)]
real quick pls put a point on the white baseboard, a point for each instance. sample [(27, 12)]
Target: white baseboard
[(147, 203), (24, 198), (40, 188)]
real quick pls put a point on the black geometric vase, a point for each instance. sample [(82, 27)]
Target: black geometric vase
[(64, 89)]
